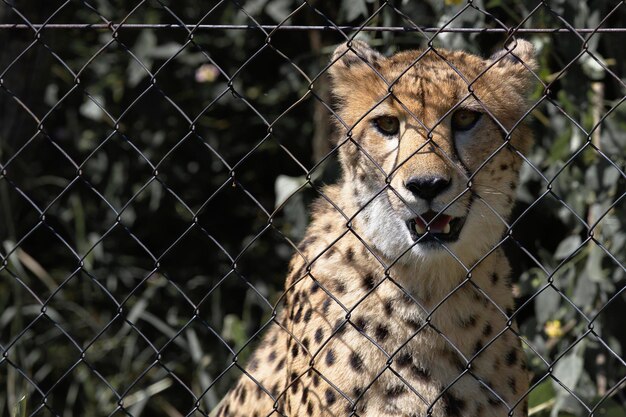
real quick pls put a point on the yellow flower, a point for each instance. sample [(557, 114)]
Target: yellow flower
[(207, 73), (453, 2), (553, 329)]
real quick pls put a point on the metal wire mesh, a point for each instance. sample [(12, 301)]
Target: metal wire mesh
[(144, 246)]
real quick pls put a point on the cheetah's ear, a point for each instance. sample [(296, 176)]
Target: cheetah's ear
[(517, 61), (351, 55)]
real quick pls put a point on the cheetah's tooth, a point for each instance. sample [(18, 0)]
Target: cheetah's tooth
[(446, 228), (419, 229)]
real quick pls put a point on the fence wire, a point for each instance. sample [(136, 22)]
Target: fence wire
[(158, 161)]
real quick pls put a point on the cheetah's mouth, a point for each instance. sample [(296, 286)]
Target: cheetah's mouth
[(432, 226)]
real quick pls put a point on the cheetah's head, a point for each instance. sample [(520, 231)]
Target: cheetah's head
[(431, 144)]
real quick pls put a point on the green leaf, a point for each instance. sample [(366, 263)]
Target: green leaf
[(285, 186), (90, 109), (19, 409), (609, 408), (541, 396), (354, 9), (567, 371), (593, 266), (592, 68), (585, 291), (234, 329), (546, 305), (136, 72), (278, 10), (610, 177), (166, 51), (567, 247)]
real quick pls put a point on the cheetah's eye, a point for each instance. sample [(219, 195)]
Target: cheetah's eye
[(465, 119), (387, 125)]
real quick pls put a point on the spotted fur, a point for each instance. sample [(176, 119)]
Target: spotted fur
[(375, 324)]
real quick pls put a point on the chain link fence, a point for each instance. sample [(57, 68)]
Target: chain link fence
[(157, 163)]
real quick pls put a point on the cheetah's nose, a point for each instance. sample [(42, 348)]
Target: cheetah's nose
[(427, 187)]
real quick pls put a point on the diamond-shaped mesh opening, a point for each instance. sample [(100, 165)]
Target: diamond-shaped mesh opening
[(169, 244)]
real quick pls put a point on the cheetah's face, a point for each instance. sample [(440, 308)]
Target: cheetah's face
[(431, 146)]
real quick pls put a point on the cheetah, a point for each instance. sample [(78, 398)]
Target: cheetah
[(398, 301)]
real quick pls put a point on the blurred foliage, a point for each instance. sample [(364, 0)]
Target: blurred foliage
[(141, 169)]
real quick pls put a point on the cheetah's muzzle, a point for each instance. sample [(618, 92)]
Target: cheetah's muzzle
[(433, 227)]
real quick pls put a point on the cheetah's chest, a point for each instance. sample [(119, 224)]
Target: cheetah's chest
[(371, 348)]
